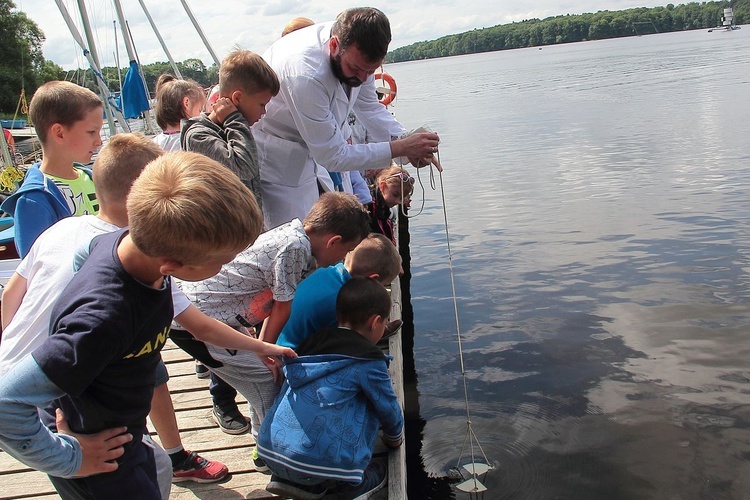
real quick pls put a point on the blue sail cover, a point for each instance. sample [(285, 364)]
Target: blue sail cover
[(134, 98)]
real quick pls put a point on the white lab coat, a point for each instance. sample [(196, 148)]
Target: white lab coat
[(306, 123)]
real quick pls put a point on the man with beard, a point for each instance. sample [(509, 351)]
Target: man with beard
[(326, 72)]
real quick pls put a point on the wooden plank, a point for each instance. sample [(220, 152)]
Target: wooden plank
[(397, 457)]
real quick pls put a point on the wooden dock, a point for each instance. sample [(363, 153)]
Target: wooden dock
[(199, 433)]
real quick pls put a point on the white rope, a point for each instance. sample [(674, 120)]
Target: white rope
[(470, 436)]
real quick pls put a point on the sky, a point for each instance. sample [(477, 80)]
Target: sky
[(255, 24)]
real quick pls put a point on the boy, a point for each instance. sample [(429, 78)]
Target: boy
[(110, 324), (67, 119), (246, 84), (336, 396), (314, 304), (259, 285)]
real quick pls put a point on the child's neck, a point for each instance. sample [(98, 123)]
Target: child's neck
[(58, 166), (139, 265)]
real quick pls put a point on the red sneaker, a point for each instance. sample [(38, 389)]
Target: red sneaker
[(198, 469)]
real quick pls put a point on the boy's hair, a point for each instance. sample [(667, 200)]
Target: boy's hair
[(187, 207), (340, 214), (396, 176), (367, 28), (246, 71), (60, 102), (119, 164), (359, 299), (169, 95), (376, 254), (296, 24)]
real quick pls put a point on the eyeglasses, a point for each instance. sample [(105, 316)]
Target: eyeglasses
[(404, 176)]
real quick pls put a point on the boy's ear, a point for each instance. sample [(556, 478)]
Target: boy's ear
[(168, 267), (374, 276), (185, 102), (56, 132), (235, 97), (333, 240)]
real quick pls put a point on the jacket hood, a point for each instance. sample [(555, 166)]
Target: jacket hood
[(34, 180)]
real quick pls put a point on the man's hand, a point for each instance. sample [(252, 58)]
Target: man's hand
[(223, 108), (420, 148), (99, 450)]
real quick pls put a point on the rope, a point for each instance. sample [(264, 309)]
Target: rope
[(10, 176), (470, 436)]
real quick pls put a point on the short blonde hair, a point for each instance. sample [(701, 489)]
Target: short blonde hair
[(296, 24), (60, 102), (119, 164), (246, 71), (340, 214), (187, 207), (376, 254)]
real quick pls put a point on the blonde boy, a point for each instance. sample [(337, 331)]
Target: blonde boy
[(67, 119), (246, 84), (109, 325)]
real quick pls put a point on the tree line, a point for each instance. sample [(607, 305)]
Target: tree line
[(575, 28)]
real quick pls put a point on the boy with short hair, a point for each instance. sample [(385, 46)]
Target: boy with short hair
[(67, 119), (314, 304), (110, 324), (246, 84), (258, 287), (336, 397)]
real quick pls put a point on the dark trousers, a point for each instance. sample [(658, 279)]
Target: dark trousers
[(222, 393)]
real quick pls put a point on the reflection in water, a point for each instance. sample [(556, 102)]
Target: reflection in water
[(597, 199)]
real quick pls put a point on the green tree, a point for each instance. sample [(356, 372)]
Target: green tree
[(50, 72), (22, 58)]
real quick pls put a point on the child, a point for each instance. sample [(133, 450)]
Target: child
[(246, 84), (67, 119), (176, 100), (393, 186), (314, 304), (110, 324), (259, 285), (336, 397)]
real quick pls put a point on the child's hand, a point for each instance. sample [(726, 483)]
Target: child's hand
[(223, 108), (277, 350), (99, 450), (274, 366)]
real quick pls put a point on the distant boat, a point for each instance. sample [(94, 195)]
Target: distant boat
[(10, 124), (727, 21)]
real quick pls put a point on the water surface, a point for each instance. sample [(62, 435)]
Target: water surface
[(597, 196)]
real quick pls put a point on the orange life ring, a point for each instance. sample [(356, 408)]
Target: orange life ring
[(388, 89)]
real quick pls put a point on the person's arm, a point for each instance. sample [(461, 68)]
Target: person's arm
[(212, 331), (376, 383), (237, 151), (13, 295), (275, 321), (33, 214), (23, 436)]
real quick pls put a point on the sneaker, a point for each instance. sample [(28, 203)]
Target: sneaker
[(259, 463), (392, 328), (201, 371), (198, 469), (288, 489), (373, 481), (231, 422)]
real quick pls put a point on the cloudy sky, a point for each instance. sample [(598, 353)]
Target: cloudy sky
[(255, 24)]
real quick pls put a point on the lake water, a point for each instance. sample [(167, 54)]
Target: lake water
[(598, 200)]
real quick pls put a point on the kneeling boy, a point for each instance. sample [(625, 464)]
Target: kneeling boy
[(337, 395)]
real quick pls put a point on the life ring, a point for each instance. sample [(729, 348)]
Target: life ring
[(388, 89)]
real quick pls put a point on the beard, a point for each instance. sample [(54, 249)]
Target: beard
[(338, 72)]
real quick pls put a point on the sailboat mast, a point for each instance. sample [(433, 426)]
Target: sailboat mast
[(161, 40), (89, 52), (200, 32)]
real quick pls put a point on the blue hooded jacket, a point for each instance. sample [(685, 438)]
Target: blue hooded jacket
[(336, 397), (35, 206)]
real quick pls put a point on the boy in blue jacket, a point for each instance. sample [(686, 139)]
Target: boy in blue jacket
[(67, 119), (321, 431)]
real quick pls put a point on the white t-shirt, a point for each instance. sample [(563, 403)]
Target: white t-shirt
[(168, 141), (269, 270), (46, 277)]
